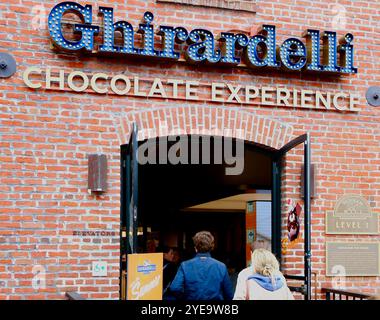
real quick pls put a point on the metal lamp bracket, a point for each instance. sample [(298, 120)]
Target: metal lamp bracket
[(7, 65), (373, 96)]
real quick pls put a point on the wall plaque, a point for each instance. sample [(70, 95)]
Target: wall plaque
[(352, 259), (352, 215)]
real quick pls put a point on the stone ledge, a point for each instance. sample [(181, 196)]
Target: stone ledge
[(238, 5)]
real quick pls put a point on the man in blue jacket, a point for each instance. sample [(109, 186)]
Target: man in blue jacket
[(202, 278)]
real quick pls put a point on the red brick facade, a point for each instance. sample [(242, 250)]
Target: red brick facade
[(46, 136)]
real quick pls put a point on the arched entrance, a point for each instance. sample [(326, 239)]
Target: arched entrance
[(265, 148), (215, 121)]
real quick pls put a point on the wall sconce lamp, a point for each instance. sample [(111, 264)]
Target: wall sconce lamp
[(97, 173)]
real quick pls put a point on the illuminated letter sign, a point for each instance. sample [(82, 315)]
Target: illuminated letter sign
[(269, 41), (86, 29), (203, 47)]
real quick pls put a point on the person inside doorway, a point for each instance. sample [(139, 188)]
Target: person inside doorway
[(265, 281), (202, 278), (177, 256), (169, 269)]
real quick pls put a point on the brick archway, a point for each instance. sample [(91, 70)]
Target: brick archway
[(217, 121)]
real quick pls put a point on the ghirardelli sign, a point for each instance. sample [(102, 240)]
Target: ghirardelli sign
[(200, 45)]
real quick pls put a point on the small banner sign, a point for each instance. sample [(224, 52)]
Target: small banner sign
[(145, 276)]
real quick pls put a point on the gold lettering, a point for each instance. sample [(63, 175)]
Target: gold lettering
[(217, 92), (74, 86), (249, 95), (126, 81), (336, 97), (325, 101), (60, 79), (283, 99), (175, 84), (157, 88), (191, 90), (26, 79), (306, 98), (266, 97), (354, 100), (94, 85)]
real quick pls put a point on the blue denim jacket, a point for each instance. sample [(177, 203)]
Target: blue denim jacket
[(202, 278)]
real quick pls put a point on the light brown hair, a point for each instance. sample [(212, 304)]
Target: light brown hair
[(203, 241)]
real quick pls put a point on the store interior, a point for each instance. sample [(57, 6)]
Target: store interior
[(178, 200)]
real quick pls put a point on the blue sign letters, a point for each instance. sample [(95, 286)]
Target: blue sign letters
[(201, 46)]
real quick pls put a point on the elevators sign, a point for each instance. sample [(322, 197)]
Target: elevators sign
[(352, 215), (145, 276), (352, 259)]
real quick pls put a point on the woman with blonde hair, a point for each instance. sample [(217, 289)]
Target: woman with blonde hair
[(266, 282)]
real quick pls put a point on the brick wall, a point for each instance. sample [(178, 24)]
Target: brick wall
[(47, 135)]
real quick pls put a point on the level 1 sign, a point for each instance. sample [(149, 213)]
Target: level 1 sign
[(352, 215)]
